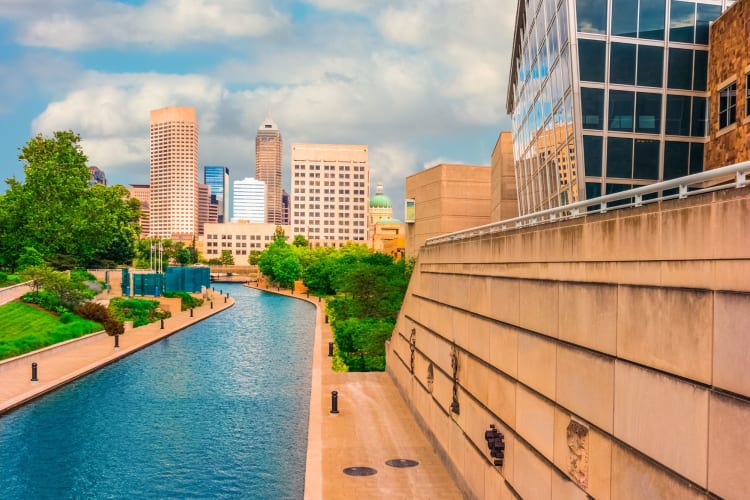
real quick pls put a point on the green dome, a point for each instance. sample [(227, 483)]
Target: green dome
[(380, 200)]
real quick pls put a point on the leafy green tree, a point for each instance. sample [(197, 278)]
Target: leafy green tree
[(184, 257), (287, 270), (274, 253), (254, 257), (318, 276), (361, 343), (29, 257), (227, 258), (300, 241), (279, 234)]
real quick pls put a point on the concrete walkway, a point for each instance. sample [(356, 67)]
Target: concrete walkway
[(62, 363), (373, 425)]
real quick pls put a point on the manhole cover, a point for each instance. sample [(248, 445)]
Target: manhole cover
[(402, 462), (360, 471)]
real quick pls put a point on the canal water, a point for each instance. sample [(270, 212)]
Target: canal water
[(218, 410)]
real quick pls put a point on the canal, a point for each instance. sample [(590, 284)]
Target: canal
[(218, 410)]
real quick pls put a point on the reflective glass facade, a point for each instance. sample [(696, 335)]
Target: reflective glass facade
[(607, 94), (217, 177)]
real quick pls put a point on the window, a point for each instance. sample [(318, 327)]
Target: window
[(619, 157), (592, 155), (676, 156), (699, 120), (678, 115), (700, 72), (705, 15), (651, 19), (591, 54), (622, 63), (728, 105), (646, 159), (680, 69), (648, 113), (682, 21), (650, 65), (592, 16), (592, 108), (624, 17), (621, 104)]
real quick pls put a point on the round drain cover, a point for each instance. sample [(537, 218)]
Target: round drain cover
[(360, 471), (402, 462)]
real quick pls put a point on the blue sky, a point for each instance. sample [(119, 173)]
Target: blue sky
[(419, 82)]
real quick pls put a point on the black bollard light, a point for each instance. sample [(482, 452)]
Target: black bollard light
[(191, 312), (291, 290), (326, 319), (162, 324), (330, 349), (225, 300), (212, 304), (227, 294), (318, 298), (334, 402), (117, 341), (33, 373)]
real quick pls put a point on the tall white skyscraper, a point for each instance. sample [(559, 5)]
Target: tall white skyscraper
[(330, 186), (249, 200), (174, 173)]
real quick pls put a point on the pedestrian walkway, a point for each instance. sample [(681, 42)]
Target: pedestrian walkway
[(373, 426), (62, 363)]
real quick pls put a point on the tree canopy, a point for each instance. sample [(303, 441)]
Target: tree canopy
[(55, 212)]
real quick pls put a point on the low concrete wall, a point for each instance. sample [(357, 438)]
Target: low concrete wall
[(13, 292), (611, 351)]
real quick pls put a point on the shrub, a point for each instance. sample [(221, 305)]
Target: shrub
[(187, 300), (114, 327), (139, 311), (81, 275), (94, 312), (43, 299), (66, 317)]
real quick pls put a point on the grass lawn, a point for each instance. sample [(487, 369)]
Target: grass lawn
[(24, 328)]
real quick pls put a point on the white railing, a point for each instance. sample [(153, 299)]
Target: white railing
[(732, 176)]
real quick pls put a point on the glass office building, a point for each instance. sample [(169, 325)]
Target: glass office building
[(606, 95), (217, 177)]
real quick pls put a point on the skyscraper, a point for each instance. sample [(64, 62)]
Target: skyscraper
[(249, 196), (329, 193), (174, 173), (268, 157), (217, 177), (607, 95)]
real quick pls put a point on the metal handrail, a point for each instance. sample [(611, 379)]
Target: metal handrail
[(686, 186)]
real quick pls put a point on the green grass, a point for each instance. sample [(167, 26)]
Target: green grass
[(24, 328)]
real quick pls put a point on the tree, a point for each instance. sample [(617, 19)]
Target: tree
[(300, 241), (287, 270), (278, 234), (273, 254), (184, 257), (29, 257), (56, 212), (227, 258)]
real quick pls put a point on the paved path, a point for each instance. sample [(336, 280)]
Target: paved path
[(373, 425), (63, 363)]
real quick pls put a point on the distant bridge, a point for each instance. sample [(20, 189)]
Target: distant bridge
[(239, 274)]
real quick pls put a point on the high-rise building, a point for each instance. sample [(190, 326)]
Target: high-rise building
[(174, 173), (329, 193), (217, 177), (142, 193), (285, 199), (249, 201), (204, 206), (97, 176), (606, 95), (268, 158)]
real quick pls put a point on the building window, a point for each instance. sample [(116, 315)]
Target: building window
[(592, 55), (592, 108), (650, 66), (727, 105), (592, 16), (622, 63)]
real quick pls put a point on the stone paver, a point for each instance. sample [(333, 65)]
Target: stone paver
[(373, 425)]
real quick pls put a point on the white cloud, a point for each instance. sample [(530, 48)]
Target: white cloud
[(79, 24)]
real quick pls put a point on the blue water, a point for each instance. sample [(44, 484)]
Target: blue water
[(218, 410)]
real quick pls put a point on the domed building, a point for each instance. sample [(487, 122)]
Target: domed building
[(386, 234), (380, 207)]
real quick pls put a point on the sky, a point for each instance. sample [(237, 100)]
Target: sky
[(420, 82)]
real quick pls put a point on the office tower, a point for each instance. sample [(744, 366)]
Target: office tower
[(268, 157), (249, 200), (97, 176), (204, 206), (174, 173), (285, 198), (142, 193), (606, 95), (329, 186), (217, 177)]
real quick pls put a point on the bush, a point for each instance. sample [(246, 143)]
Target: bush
[(114, 327), (139, 311), (8, 279), (94, 312), (187, 300), (81, 275), (43, 299), (66, 317)]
